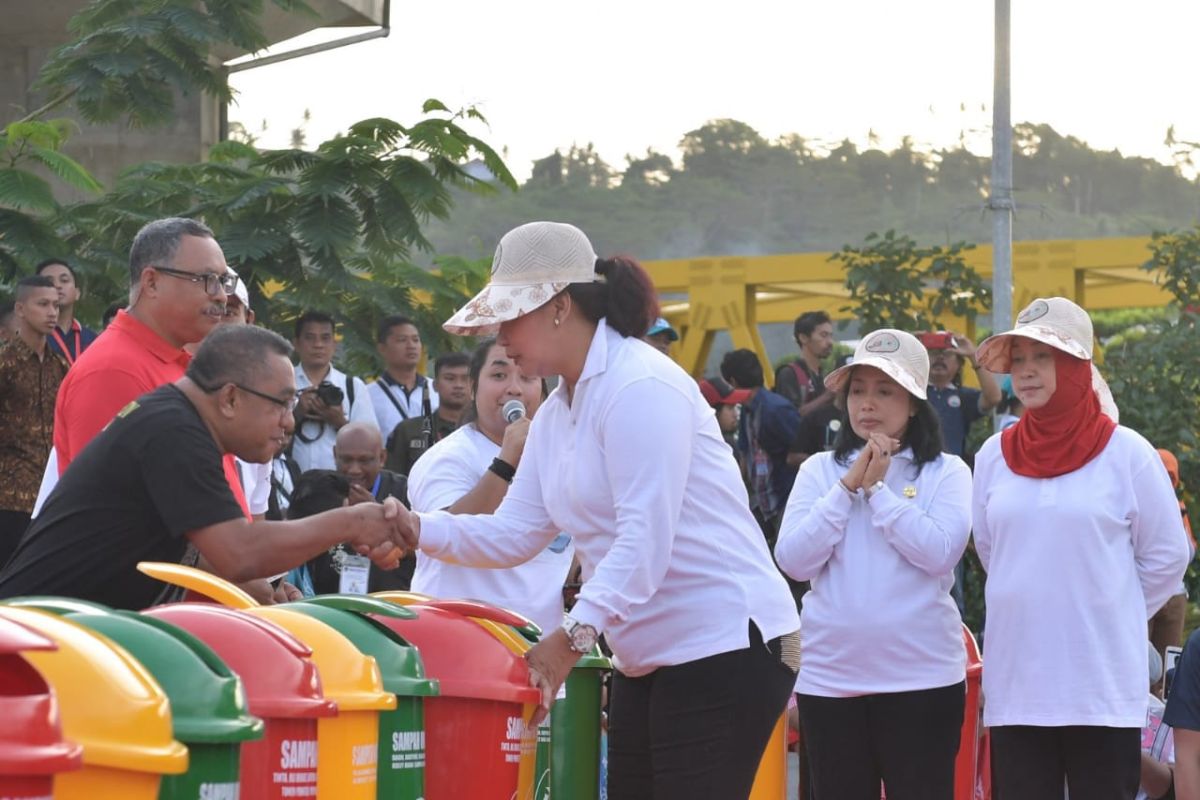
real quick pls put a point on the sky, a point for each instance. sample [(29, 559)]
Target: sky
[(630, 75)]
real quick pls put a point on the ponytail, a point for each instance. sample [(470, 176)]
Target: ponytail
[(624, 295)]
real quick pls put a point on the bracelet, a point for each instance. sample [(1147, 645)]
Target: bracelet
[(503, 470), (846, 488)]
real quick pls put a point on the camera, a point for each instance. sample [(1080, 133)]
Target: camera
[(937, 340), (329, 394)]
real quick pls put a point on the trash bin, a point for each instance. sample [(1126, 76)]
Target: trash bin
[(966, 765), (282, 687), (478, 740), (208, 704), (575, 731), (348, 744), (402, 731), (109, 704), (32, 747), (770, 781)]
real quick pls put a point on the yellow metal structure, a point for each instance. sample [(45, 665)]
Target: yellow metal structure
[(737, 293)]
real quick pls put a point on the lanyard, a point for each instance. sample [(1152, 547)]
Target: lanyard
[(63, 344)]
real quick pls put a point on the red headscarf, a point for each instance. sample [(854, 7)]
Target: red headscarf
[(1066, 433)]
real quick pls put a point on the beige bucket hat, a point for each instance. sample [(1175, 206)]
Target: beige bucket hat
[(899, 355), (1055, 321), (533, 263)]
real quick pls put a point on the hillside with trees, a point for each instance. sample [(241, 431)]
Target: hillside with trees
[(733, 192)]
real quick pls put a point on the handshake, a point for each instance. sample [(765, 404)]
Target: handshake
[(384, 532)]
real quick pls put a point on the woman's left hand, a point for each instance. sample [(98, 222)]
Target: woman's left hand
[(882, 447), (550, 662)]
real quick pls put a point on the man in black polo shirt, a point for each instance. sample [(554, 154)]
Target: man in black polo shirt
[(153, 482)]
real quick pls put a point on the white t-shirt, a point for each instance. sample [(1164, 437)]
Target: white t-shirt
[(634, 466), (318, 454), (879, 617), (1076, 565), (256, 483), (449, 470)]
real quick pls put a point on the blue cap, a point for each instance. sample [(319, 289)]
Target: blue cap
[(662, 326)]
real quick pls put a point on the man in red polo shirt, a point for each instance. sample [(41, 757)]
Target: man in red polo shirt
[(177, 291)]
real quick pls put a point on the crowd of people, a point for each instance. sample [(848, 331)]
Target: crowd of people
[(737, 545)]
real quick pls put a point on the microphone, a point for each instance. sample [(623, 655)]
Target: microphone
[(513, 410)]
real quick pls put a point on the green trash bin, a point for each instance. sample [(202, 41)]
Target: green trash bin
[(401, 773), (575, 732), (208, 704)]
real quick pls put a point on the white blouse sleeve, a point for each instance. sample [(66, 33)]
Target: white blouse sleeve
[(932, 539), (517, 531), (1160, 545), (647, 434), (814, 522)]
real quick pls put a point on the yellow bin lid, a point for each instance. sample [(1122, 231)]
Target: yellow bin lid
[(348, 676), (109, 703)]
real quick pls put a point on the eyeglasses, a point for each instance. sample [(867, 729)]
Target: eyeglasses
[(288, 404), (228, 282)]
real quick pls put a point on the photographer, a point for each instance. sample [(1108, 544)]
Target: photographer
[(328, 398)]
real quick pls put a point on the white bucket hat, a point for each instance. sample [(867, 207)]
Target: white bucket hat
[(240, 291), (1059, 323), (1055, 321), (532, 264), (900, 355)]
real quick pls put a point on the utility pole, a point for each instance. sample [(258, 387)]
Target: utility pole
[(1001, 203)]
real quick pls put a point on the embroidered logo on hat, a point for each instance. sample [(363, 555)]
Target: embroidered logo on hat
[(1035, 310), (882, 343)]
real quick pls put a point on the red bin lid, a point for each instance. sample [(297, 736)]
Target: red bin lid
[(276, 668), (465, 658), (31, 741)]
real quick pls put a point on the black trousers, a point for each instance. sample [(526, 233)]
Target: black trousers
[(1097, 763), (906, 740), (696, 731), (12, 527)]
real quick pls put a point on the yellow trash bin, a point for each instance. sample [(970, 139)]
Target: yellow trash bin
[(348, 744), (770, 782), (109, 704)]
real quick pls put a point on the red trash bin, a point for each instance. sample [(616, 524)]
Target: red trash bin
[(478, 741), (282, 687), (967, 763), (32, 748)]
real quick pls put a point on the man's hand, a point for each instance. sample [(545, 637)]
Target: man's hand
[(376, 532), (963, 346), (306, 404), (360, 494), (513, 444), (550, 662), (334, 415)]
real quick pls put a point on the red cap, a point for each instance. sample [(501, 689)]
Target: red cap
[(719, 393)]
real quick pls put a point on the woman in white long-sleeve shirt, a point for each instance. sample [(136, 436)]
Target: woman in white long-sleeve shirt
[(626, 455), (877, 526), (1078, 528)]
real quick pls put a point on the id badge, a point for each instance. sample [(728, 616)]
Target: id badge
[(762, 467), (355, 571)]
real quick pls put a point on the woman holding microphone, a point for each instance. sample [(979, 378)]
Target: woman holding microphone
[(626, 455), (877, 525), (456, 475), (1078, 527)]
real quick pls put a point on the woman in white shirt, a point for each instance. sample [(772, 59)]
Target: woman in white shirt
[(1078, 528), (626, 455), (877, 525), (454, 475)]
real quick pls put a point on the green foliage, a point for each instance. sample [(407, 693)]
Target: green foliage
[(1153, 373), (897, 284), (131, 57), (27, 203), (334, 229)]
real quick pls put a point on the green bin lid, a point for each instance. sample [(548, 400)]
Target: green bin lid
[(594, 660), (399, 660), (208, 703)]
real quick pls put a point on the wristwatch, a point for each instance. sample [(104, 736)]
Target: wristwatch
[(582, 638), (870, 491)]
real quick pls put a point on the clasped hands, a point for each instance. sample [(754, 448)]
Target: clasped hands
[(872, 462), (384, 532)]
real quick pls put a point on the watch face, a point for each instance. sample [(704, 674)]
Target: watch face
[(583, 638)]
